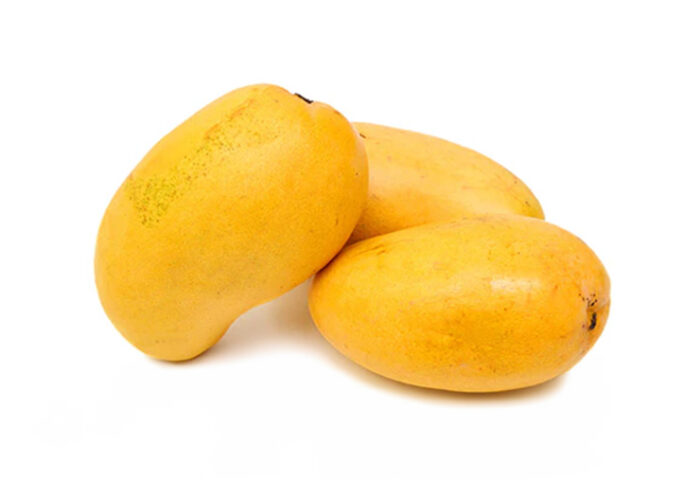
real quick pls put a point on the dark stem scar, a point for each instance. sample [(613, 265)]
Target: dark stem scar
[(594, 321), (363, 136), (304, 98)]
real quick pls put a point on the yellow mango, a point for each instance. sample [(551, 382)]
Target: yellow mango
[(416, 179), (243, 201), (476, 305)]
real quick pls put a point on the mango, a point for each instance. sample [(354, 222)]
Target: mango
[(482, 304), (416, 179), (240, 203)]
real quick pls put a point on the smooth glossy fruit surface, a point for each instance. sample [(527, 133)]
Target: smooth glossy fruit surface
[(417, 179), (477, 305), (246, 199)]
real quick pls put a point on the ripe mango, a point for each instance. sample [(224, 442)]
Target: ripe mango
[(416, 179), (477, 305), (243, 201)]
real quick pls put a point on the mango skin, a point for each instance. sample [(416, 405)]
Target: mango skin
[(477, 305), (417, 179), (243, 201)]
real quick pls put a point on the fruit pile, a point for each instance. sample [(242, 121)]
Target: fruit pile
[(435, 266)]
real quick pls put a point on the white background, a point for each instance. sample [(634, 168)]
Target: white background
[(595, 105)]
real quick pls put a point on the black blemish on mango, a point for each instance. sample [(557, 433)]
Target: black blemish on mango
[(304, 98), (594, 321)]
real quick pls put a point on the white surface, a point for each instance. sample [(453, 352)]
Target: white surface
[(596, 107)]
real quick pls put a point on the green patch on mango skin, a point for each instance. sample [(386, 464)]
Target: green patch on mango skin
[(153, 195)]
